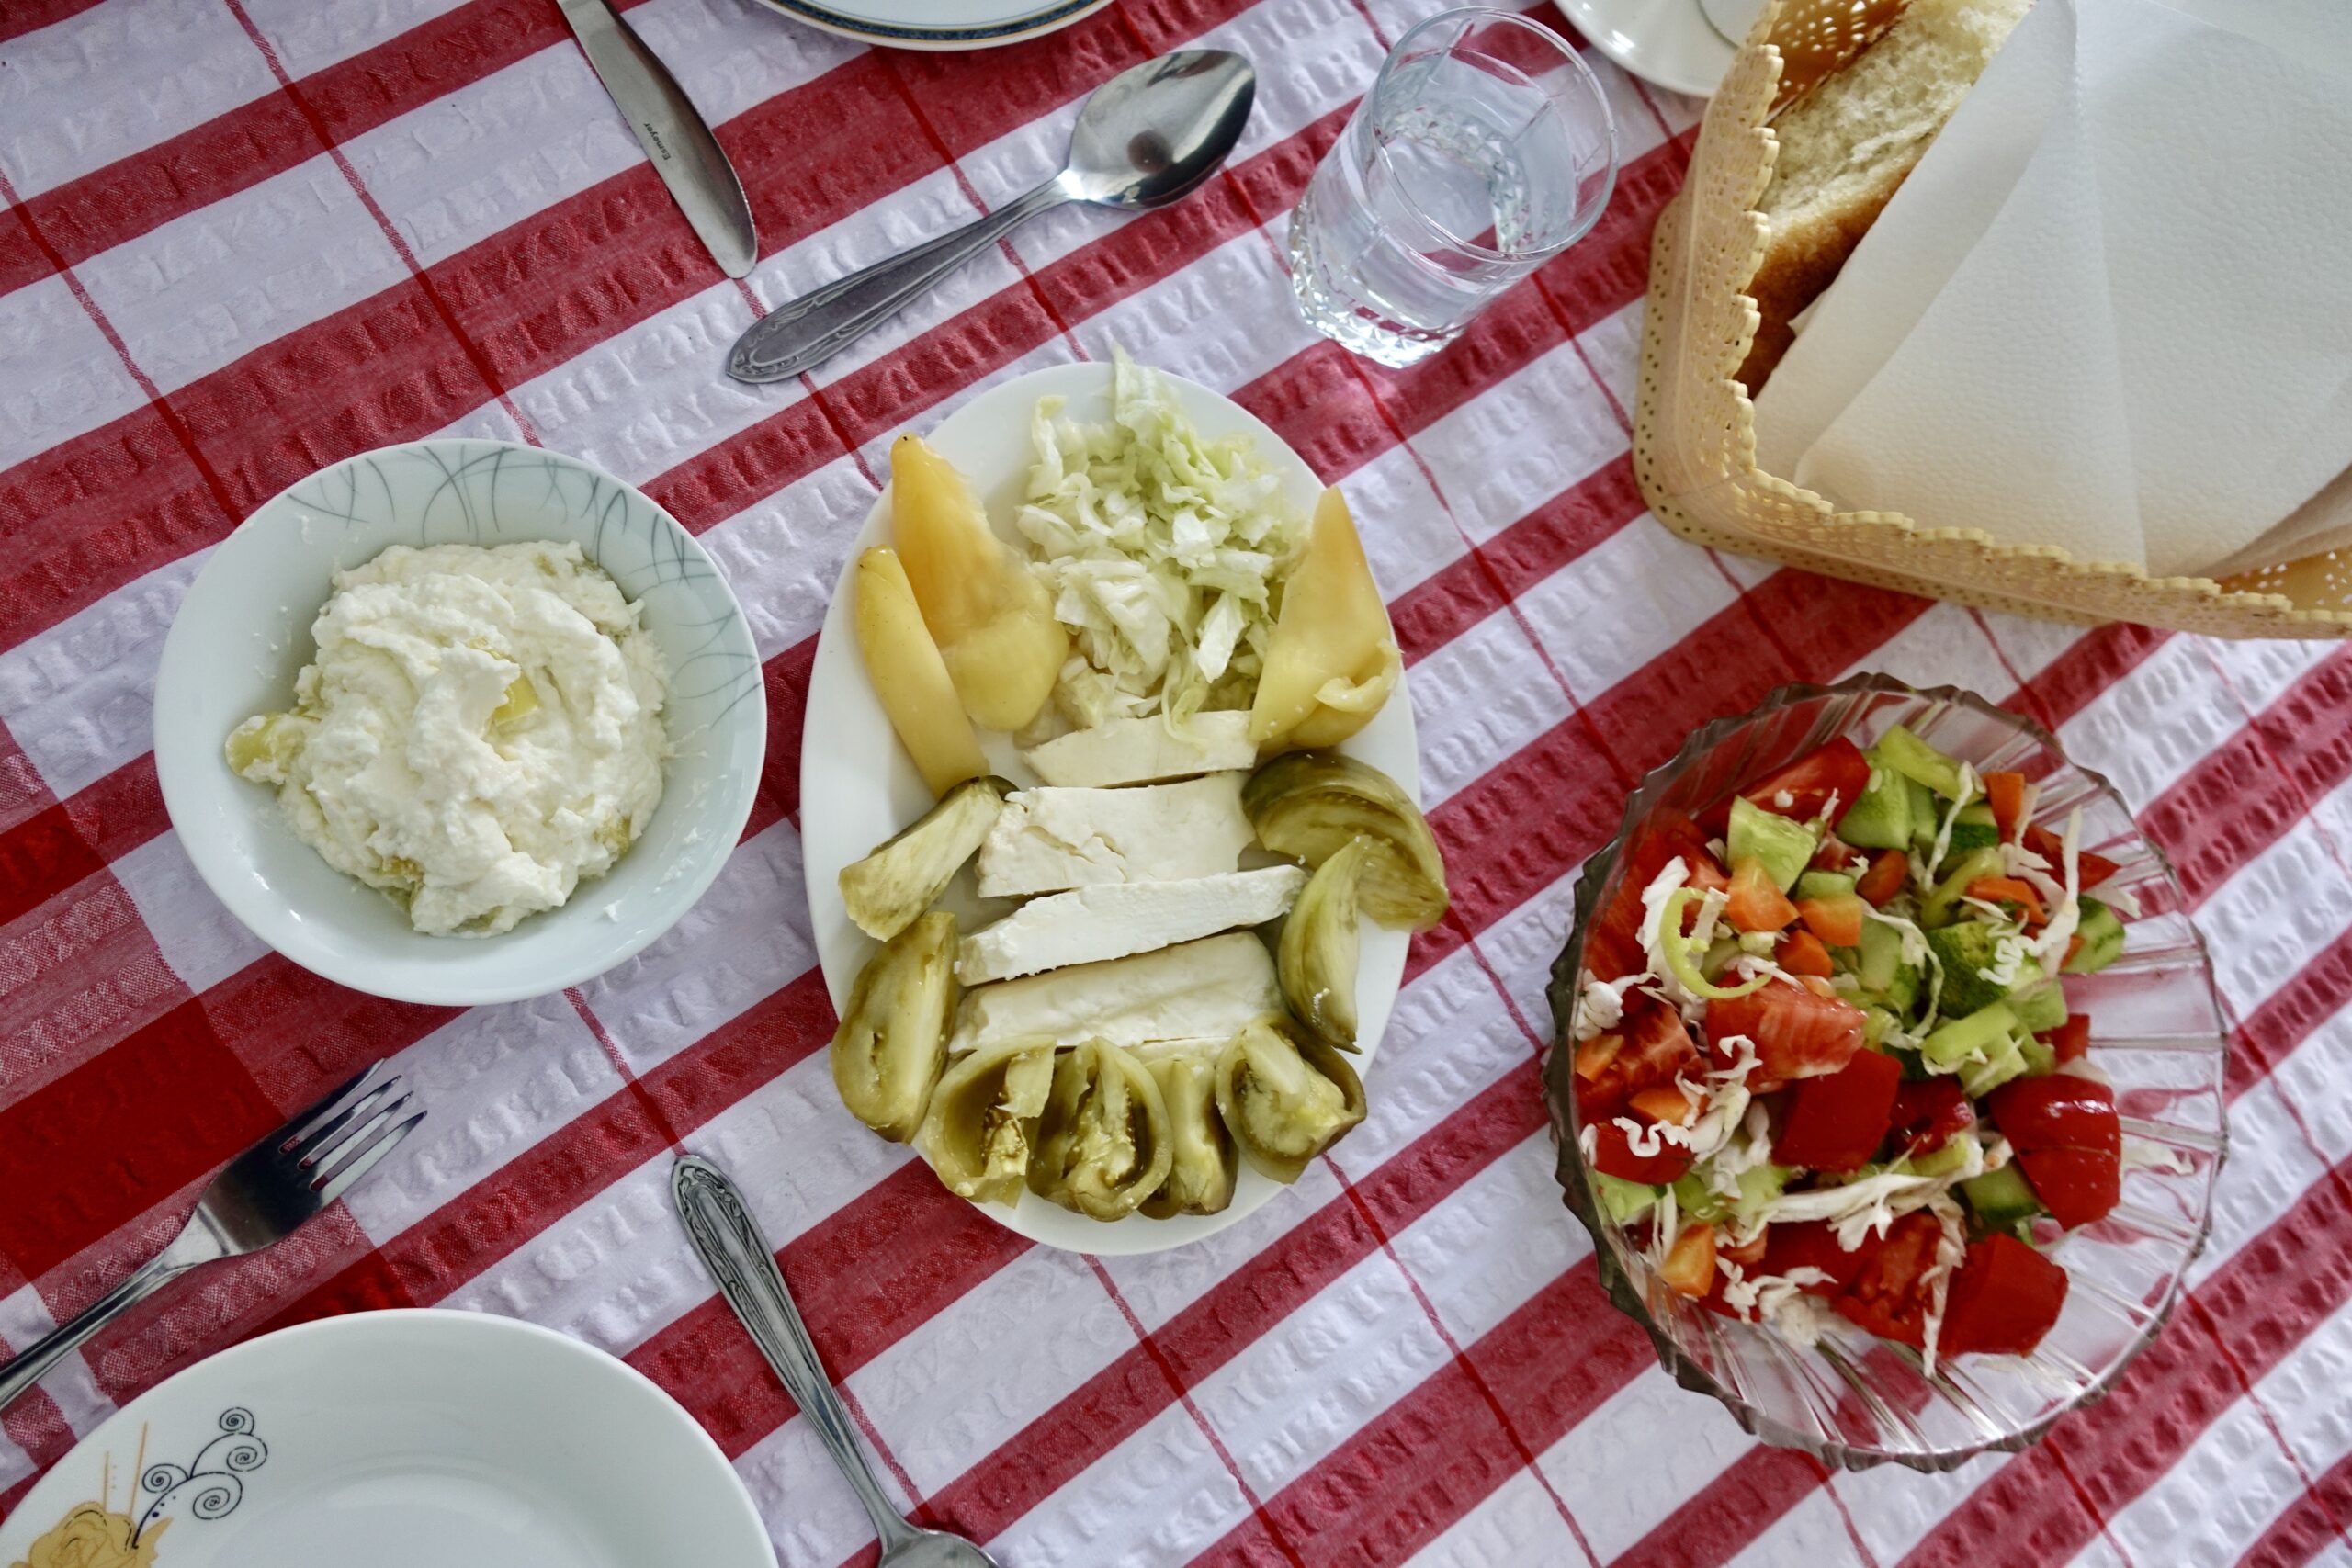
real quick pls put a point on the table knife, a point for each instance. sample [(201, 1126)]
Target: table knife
[(684, 153)]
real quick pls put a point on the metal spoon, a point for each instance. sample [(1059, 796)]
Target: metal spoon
[(1148, 137), (738, 1257)]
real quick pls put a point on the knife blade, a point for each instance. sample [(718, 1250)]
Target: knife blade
[(684, 153)]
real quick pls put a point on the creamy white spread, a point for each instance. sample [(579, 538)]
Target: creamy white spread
[(481, 732)]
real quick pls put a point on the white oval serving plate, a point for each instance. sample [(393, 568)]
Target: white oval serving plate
[(938, 23), (392, 1439), (857, 785), (244, 632)]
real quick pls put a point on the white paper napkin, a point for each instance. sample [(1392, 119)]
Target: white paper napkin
[(2112, 310)]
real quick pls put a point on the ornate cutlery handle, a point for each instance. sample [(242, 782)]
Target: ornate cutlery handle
[(741, 1260), (806, 332)]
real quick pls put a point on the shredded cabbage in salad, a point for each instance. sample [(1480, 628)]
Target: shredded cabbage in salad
[(1164, 551)]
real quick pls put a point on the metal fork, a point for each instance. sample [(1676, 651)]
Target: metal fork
[(260, 1198)]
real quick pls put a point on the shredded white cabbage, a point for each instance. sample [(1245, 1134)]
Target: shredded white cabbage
[(1164, 552), (1604, 1005)]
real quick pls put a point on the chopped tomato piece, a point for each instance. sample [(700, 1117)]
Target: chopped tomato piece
[(2070, 1039), (1928, 1112), (1803, 789), (2003, 1298), (2005, 793), (1665, 1105), (2068, 1143), (1811, 1243), (1613, 947), (1613, 1155), (1890, 1295), (1885, 878), (1799, 1033), (2009, 890), (1690, 1265), (1836, 919), (2091, 869), (1653, 1049), (1595, 1054), (1837, 1122), (1802, 952)]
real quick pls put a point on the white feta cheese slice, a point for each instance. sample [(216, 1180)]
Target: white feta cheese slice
[(1140, 750), (1120, 918), (1049, 840), (1206, 990)]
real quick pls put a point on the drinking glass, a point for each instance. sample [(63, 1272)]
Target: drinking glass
[(1484, 148)]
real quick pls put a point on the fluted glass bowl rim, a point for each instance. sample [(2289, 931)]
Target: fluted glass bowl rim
[(1622, 1284)]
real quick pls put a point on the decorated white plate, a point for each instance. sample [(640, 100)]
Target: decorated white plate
[(938, 23), (858, 786), (1673, 44), (394, 1439)]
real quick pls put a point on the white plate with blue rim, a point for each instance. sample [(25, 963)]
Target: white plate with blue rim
[(858, 786), (244, 632), (938, 23), (395, 1440)]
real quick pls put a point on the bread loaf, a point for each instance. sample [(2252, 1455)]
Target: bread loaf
[(1846, 146)]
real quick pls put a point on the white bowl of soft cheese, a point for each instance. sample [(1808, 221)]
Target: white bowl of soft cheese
[(511, 776)]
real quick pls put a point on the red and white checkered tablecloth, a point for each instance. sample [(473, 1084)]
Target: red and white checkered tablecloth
[(247, 237)]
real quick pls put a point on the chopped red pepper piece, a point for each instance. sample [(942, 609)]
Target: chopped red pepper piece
[(1885, 878), (1837, 1122), (2005, 793), (1838, 769), (1890, 1295), (2010, 890), (1653, 1049), (1811, 1243), (2067, 1141), (1613, 1155), (1802, 952), (2070, 1039), (1928, 1112), (1756, 903), (1836, 919), (2003, 1298), (2090, 869)]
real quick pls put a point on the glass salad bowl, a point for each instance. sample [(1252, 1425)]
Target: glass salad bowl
[(2157, 1029)]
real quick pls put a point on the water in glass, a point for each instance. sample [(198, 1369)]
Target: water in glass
[(1484, 147)]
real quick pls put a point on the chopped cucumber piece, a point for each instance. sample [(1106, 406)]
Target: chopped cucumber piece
[(1881, 820), (1987, 1030), (1914, 758), (2040, 1060), (1758, 1185), (1782, 845), (1925, 815), (2001, 1199), (1946, 1157), (1720, 952), (1973, 828), (1623, 1202), (2102, 934), (1945, 897), (1876, 1021), (2040, 1004), (1698, 1200), (1879, 964), (1964, 951), (1822, 885), (1981, 1078)]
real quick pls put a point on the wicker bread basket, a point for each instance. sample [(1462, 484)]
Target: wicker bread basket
[(1694, 439)]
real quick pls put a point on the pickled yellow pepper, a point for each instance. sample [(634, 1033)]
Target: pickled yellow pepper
[(1332, 660), (990, 616)]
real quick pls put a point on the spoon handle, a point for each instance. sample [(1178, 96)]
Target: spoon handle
[(806, 332), (738, 1257)]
